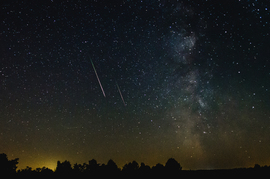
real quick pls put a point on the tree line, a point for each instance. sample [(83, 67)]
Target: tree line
[(92, 169)]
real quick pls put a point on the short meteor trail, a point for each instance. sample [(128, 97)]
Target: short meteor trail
[(120, 94), (98, 79)]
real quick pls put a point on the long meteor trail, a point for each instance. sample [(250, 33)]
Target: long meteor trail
[(120, 94), (98, 79)]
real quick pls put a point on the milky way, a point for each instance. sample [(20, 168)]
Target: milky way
[(193, 78)]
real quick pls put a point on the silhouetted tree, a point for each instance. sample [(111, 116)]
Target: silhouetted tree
[(95, 170), (257, 166), (158, 171), (46, 171), (27, 170), (92, 168), (144, 167), (92, 165), (84, 166), (131, 167), (158, 167), (7, 166), (111, 166), (172, 165), (144, 170), (79, 168), (63, 168)]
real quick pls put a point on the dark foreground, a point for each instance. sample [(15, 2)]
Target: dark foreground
[(92, 169), (251, 172)]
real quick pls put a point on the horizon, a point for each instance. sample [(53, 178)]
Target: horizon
[(121, 167), (136, 80)]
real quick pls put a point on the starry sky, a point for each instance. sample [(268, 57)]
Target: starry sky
[(135, 80)]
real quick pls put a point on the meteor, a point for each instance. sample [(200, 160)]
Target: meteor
[(98, 79), (120, 94)]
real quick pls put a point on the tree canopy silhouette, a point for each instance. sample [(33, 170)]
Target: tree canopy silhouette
[(131, 167), (111, 166), (130, 170), (7, 166), (172, 165), (63, 167)]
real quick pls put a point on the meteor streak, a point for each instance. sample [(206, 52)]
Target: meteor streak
[(98, 79), (120, 94)]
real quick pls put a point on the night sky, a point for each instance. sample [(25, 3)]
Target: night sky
[(135, 80)]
